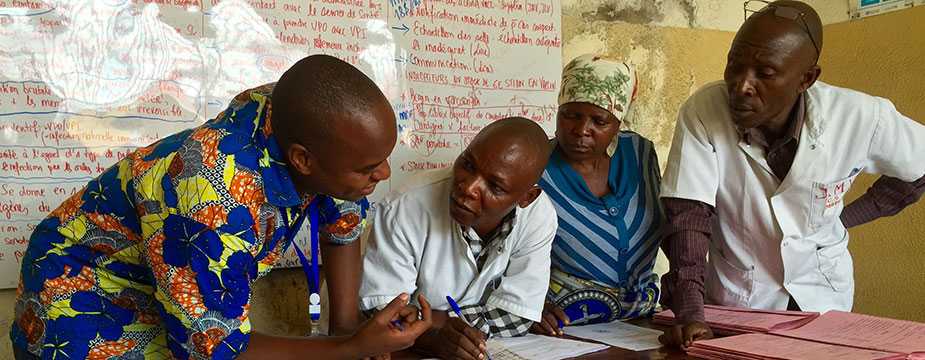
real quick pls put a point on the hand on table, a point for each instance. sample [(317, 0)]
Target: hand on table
[(461, 341), (684, 336), (552, 316)]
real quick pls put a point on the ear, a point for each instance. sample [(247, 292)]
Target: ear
[(809, 77), (529, 196), (301, 159)]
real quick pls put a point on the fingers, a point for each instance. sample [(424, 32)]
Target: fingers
[(705, 333), (466, 347), (390, 312), (686, 342), (560, 315), (694, 332), (537, 328), (471, 339), (541, 328), (550, 325), (689, 336), (409, 314), (421, 325), (672, 336), (425, 309), (475, 336), (463, 354)]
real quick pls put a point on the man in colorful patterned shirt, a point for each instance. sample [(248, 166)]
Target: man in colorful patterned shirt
[(155, 258)]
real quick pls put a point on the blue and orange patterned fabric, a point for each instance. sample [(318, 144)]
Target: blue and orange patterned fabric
[(155, 257)]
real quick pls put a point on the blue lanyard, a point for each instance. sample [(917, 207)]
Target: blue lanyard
[(311, 270)]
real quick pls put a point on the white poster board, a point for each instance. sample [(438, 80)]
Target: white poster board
[(84, 82)]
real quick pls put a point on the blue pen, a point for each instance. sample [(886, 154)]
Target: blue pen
[(458, 311), (397, 324)]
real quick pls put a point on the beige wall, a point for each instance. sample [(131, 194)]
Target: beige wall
[(885, 56)]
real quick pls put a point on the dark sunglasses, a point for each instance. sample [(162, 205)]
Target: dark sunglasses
[(786, 12)]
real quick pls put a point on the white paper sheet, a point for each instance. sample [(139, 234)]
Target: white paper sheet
[(619, 334), (536, 347), (498, 351)]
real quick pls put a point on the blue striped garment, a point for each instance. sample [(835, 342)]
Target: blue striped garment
[(611, 240)]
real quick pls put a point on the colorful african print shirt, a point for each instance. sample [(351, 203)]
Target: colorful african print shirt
[(155, 258)]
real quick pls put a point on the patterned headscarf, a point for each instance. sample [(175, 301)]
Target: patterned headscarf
[(608, 84)]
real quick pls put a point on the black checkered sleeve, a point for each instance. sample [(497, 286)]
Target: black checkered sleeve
[(496, 322)]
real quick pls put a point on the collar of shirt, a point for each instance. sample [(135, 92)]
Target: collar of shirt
[(251, 140), (476, 243), (796, 120), (623, 178)]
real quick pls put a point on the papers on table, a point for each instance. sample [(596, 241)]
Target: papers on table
[(833, 335), (498, 351), (764, 346), (730, 321), (536, 347), (863, 331), (619, 334)]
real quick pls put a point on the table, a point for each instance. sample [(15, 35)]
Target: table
[(610, 353)]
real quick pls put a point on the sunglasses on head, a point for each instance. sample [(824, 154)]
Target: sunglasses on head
[(786, 12)]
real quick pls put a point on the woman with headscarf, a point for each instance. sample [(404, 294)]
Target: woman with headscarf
[(604, 184)]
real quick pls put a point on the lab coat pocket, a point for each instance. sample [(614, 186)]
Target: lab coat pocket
[(728, 284), (827, 198), (835, 264)]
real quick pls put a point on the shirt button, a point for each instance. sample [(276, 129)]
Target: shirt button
[(612, 211)]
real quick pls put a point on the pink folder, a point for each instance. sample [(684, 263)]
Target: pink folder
[(729, 320)]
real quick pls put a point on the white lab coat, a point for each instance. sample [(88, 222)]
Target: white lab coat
[(778, 239), (416, 247)]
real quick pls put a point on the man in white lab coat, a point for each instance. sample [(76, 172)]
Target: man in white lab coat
[(758, 170), (480, 233)]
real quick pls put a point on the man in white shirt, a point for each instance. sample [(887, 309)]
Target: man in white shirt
[(481, 233), (758, 170)]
